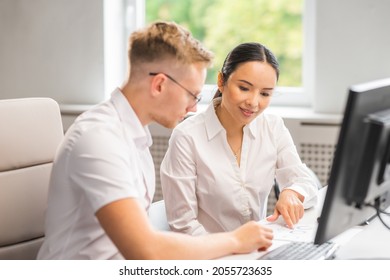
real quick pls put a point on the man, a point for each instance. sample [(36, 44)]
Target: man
[(102, 181)]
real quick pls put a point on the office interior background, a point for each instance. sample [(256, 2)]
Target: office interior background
[(75, 52)]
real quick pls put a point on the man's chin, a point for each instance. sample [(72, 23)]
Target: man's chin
[(169, 125)]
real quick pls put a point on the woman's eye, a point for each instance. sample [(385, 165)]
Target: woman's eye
[(243, 88), (265, 94)]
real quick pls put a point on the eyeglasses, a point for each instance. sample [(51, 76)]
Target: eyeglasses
[(196, 98)]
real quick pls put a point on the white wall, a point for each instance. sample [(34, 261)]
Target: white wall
[(349, 43), (52, 48), (56, 48)]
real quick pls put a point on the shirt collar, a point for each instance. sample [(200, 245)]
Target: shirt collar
[(253, 126), (214, 126), (140, 134)]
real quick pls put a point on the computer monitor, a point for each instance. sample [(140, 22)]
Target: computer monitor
[(360, 173)]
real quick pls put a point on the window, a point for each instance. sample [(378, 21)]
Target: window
[(222, 24), (330, 60)]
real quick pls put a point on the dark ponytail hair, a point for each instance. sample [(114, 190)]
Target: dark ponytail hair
[(244, 53)]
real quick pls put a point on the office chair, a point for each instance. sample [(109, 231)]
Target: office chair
[(30, 132), (158, 216), (315, 178)]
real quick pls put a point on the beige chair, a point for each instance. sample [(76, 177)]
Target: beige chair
[(30, 131)]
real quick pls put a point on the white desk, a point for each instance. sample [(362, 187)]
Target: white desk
[(372, 242), (361, 242)]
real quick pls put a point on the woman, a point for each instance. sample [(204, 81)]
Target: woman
[(221, 164)]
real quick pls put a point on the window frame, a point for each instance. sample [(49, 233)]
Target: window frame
[(285, 96)]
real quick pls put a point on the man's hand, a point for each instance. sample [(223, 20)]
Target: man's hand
[(252, 236)]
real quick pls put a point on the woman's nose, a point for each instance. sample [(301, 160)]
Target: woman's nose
[(253, 99)]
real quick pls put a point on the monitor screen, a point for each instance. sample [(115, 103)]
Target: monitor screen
[(360, 170)]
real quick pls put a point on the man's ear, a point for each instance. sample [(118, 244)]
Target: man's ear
[(220, 81), (157, 84)]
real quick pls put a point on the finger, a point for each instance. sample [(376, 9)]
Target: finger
[(266, 244), (269, 235), (288, 220), (267, 229), (301, 212), (297, 214), (273, 217), (293, 215)]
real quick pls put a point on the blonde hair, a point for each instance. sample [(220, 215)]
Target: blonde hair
[(166, 40)]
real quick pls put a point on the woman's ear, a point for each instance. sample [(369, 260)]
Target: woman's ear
[(220, 81)]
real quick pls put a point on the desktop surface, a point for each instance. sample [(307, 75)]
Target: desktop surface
[(303, 231), (361, 242), (372, 242)]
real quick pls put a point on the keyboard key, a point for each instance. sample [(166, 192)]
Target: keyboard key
[(302, 251)]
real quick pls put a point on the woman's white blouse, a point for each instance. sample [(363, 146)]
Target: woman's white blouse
[(204, 188)]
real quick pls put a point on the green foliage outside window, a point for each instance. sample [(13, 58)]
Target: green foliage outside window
[(223, 24)]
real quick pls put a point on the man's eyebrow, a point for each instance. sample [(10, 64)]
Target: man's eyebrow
[(249, 83)]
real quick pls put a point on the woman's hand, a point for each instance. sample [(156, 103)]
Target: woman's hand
[(290, 206)]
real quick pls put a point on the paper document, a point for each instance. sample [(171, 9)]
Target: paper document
[(300, 232)]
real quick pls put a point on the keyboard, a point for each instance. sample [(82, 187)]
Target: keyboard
[(302, 251)]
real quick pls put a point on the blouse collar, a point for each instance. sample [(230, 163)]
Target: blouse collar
[(214, 126)]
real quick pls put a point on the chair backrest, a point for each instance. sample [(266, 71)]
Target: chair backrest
[(314, 176), (158, 217), (30, 132)]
